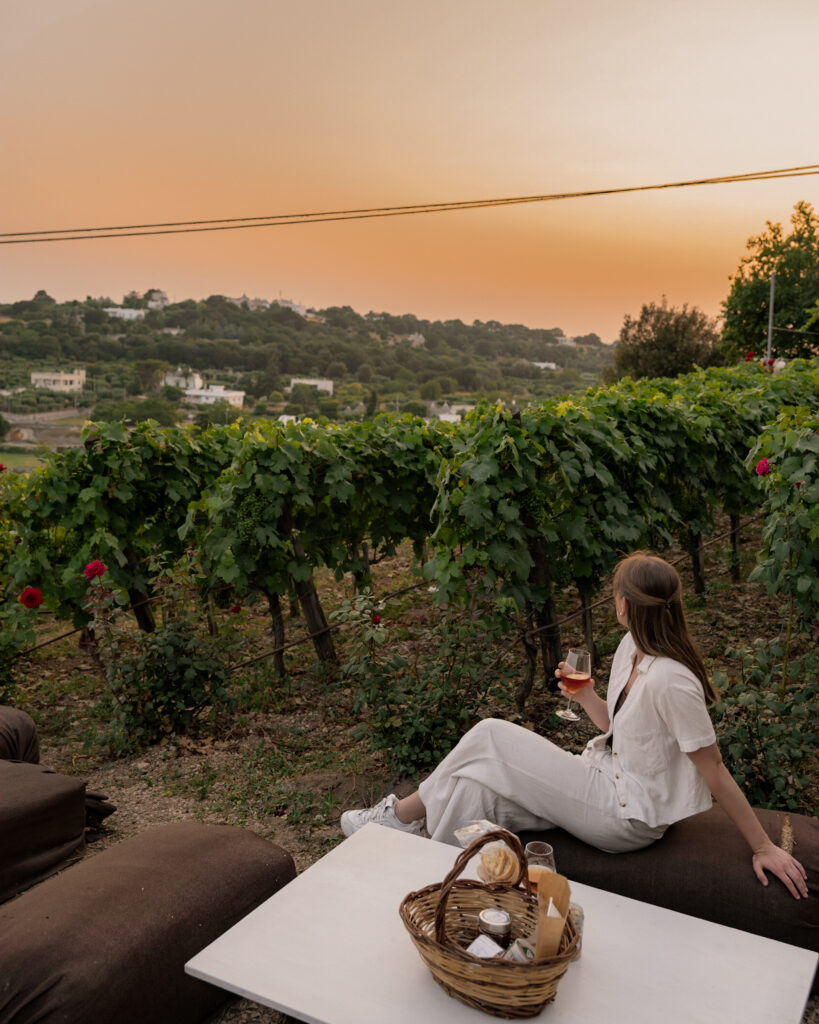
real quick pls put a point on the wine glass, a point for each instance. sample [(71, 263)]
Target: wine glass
[(540, 857), (576, 674)]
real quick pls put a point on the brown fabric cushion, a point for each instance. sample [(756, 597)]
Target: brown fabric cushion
[(106, 941), (42, 824), (702, 867), (18, 736), (19, 742)]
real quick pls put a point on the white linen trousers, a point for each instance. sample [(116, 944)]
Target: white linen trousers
[(519, 780)]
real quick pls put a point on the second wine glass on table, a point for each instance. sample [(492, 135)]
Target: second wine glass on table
[(540, 857), (576, 674)]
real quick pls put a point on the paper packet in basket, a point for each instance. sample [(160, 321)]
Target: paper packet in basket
[(553, 898)]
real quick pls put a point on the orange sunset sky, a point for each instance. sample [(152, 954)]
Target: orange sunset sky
[(122, 113)]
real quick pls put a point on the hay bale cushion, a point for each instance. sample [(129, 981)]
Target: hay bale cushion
[(106, 941), (702, 867), (42, 824)]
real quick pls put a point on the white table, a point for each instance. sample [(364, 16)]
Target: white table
[(330, 948)]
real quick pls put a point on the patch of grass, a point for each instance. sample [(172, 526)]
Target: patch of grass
[(20, 460), (262, 689)]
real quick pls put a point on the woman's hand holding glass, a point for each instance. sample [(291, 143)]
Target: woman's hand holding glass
[(573, 677)]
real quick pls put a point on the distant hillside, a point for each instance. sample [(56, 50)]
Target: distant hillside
[(401, 358)]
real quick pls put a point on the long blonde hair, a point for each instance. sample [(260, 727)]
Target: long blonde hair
[(656, 618)]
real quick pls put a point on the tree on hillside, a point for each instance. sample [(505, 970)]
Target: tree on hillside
[(664, 342), (795, 258), (135, 411), (217, 412), (149, 373)]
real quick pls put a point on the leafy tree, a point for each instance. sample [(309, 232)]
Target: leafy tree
[(135, 411), (150, 372), (337, 369), (95, 317), (795, 259), (664, 342), (305, 396), (171, 393), (218, 412)]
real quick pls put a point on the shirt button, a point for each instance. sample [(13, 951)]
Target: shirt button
[(622, 803), (615, 753), (617, 776)]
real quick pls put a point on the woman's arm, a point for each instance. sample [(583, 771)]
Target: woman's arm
[(594, 706), (766, 854)]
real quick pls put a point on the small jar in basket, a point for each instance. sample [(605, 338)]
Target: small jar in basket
[(442, 920)]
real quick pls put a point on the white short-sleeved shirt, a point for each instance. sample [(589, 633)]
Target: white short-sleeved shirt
[(663, 718)]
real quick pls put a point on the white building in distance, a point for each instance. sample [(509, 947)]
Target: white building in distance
[(215, 393), (157, 299), (295, 306), (125, 313), (57, 381), (184, 379), (447, 413), (243, 300), (319, 383)]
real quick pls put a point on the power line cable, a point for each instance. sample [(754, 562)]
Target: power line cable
[(797, 330), (285, 219)]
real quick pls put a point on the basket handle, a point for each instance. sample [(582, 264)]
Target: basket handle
[(463, 859)]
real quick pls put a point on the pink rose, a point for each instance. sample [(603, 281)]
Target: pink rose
[(762, 467)]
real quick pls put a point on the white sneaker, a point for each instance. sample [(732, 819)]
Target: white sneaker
[(381, 814)]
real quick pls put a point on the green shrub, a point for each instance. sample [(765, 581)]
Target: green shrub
[(766, 725), (788, 473), (160, 683), (421, 697)]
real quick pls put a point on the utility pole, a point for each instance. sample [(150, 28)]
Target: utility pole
[(770, 314)]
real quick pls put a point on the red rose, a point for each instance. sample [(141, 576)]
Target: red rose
[(376, 619), (763, 467), (3, 468), (235, 609), (32, 597), (94, 569), (749, 356)]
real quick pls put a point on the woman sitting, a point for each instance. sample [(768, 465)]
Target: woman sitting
[(656, 761)]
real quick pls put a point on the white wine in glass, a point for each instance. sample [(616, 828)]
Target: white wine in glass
[(575, 675)]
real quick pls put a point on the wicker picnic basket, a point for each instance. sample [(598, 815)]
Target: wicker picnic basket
[(442, 919)]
